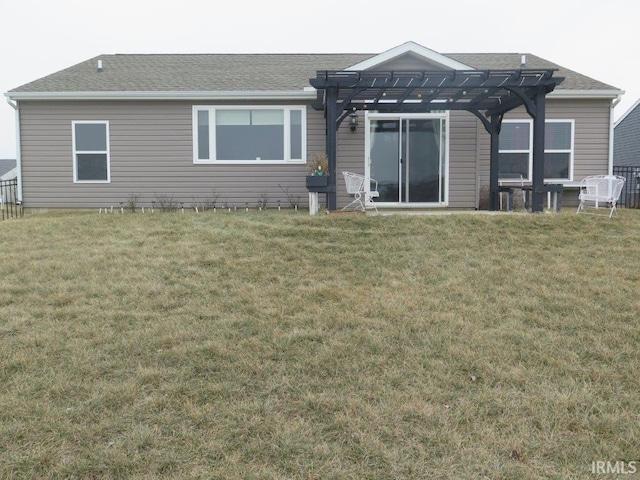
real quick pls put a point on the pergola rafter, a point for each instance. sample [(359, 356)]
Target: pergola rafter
[(488, 94)]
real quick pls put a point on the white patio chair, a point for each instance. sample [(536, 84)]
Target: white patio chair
[(600, 191), (363, 197)]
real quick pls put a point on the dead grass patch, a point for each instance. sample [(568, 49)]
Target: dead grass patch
[(268, 345)]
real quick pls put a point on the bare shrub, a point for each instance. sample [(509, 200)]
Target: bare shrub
[(293, 198), (165, 203), (262, 201), (131, 204), (206, 203)]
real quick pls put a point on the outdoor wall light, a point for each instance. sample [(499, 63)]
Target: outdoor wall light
[(353, 121)]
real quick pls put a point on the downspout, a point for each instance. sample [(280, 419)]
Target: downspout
[(614, 102), (15, 106)]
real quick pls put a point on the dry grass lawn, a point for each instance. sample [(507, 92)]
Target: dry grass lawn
[(282, 346)]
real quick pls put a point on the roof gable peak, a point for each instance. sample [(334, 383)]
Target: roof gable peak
[(410, 47)]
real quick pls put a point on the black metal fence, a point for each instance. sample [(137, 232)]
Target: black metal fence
[(630, 196), (9, 204)]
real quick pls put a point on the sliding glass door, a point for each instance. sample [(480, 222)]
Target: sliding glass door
[(407, 155)]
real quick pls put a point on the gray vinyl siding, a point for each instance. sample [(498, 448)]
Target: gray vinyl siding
[(351, 155), (462, 159), (151, 152), (151, 155)]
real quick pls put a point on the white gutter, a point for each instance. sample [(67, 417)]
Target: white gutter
[(18, 167), (306, 94), (612, 124), (559, 93)]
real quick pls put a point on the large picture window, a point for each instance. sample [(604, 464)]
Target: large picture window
[(257, 134), (516, 149), (91, 152)]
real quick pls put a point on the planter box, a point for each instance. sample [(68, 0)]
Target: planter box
[(317, 183)]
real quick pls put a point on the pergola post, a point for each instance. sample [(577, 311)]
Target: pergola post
[(331, 113), (537, 184), (494, 172)]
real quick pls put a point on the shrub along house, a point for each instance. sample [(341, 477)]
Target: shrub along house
[(433, 129)]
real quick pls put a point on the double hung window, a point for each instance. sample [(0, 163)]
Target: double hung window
[(91, 163)]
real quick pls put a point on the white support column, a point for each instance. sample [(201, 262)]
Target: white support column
[(313, 203)]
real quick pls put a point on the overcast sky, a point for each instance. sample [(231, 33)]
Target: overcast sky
[(39, 37)]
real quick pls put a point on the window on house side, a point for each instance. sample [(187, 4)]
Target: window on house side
[(91, 152)]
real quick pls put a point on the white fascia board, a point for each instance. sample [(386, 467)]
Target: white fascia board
[(192, 95), (406, 48), (585, 94)]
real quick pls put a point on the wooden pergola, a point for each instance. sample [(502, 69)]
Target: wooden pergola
[(488, 94)]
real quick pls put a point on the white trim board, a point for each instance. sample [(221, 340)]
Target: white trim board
[(410, 47)]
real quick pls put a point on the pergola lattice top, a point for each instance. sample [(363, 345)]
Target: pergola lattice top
[(493, 91)]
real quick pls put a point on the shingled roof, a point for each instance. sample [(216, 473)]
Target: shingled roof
[(246, 72)]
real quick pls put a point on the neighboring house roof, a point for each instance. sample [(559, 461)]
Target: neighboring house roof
[(252, 72), (626, 138), (6, 166)]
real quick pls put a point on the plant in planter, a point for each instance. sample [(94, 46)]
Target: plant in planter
[(318, 178), (319, 166)]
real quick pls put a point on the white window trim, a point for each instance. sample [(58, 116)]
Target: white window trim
[(75, 152), (571, 151), (212, 134)]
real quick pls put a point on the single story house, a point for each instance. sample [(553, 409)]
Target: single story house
[(435, 130), (626, 139)]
